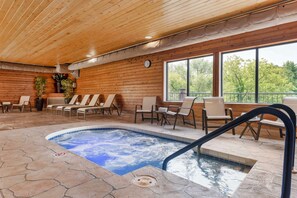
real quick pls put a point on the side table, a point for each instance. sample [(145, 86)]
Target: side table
[(6, 106), (249, 126), (162, 111)]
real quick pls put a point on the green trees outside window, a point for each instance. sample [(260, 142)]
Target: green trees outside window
[(263, 75), (190, 77)]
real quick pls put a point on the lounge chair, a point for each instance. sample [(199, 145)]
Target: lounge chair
[(24, 101), (83, 103), (108, 105), (183, 111), (92, 103), (214, 110), (148, 107), (72, 102), (1, 107), (290, 102)]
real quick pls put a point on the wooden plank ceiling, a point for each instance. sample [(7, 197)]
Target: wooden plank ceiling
[(48, 32)]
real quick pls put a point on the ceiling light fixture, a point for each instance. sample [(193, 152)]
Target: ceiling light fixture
[(148, 37), (88, 55)]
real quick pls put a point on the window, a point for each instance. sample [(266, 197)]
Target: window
[(263, 75), (190, 77)]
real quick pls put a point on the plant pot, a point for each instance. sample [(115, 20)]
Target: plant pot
[(67, 100), (58, 87), (39, 104)]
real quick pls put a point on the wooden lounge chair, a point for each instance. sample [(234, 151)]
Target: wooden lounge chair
[(83, 103), (148, 107), (72, 102), (24, 101), (290, 102), (183, 111), (108, 105), (92, 103), (214, 110)]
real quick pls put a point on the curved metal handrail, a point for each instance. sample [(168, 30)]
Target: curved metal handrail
[(289, 141)]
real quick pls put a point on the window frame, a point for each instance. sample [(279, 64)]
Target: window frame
[(188, 74), (221, 83)]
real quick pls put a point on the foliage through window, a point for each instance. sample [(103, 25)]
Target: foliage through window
[(263, 75), (190, 77)]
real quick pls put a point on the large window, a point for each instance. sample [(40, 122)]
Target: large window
[(263, 75), (190, 77)]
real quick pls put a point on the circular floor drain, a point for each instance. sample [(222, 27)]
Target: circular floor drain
[(144, 181)]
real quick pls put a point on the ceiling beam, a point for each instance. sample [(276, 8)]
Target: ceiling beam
[(25, 67), (277, 15)]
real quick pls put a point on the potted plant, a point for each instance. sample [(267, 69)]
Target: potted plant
[(67, 86), (58, 78), (40, 83)]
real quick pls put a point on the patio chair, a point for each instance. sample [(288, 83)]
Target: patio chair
[(72, 102), (290, 102), (24, 101), (148, 107), (83, 103), (108, 105), (1, 107), (183, 111), (92, 103), (214, 110)]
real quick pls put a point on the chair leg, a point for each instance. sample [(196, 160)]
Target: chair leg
[(152, 117), (203, 119), (281, 133), (206, 127), (175, 121), (258, 131), (194, 121), (183, 120), (135, 117)]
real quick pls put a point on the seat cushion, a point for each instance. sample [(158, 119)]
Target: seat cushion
[(86, 109), (272, 123), (143, 111), (218, 117)]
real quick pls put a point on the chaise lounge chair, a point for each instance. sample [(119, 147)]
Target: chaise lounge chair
[(148, 107), (83, 103), (184, 111), (72, 102), (108, 105), (24, 101), (92, 103)]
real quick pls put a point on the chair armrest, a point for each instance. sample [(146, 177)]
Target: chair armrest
[(138, 106)]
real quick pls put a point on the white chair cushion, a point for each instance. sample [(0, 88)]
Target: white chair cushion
[(143, 111), (272, 123), (218, 117)]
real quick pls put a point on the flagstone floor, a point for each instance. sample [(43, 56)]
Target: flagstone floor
[(31, 166)]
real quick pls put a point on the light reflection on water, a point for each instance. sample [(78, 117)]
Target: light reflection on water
[(122, 151)]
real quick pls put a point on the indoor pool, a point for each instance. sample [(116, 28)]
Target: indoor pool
[(122, 151)]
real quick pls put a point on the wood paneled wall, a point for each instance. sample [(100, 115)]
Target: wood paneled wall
[(132, 81), (14, 84)]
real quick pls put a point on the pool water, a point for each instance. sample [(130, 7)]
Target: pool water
[(122, 151)]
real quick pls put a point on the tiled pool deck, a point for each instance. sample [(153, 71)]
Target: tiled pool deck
[(30, 168)]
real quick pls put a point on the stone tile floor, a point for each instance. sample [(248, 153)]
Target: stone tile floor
[(29, 166)]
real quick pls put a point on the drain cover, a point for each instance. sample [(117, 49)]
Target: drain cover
[(144, 181)]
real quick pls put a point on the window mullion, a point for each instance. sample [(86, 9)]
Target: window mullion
[(188, 77), (257, 76)]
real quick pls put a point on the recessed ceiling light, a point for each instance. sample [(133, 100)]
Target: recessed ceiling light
[(148, 37), (89, 55)]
